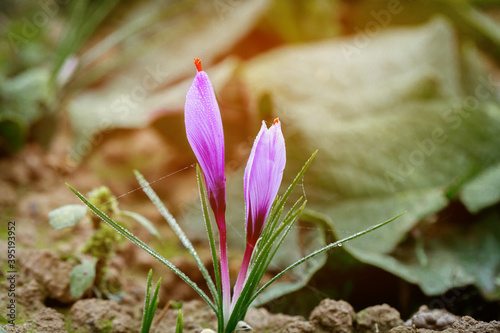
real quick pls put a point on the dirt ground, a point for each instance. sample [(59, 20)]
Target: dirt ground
[(33, 184), (45, 305)]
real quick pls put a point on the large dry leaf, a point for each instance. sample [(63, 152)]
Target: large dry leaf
[(402, 121)]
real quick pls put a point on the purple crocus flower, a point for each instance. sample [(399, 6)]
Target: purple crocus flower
[(262, 180), (206, 137), (263, 175)]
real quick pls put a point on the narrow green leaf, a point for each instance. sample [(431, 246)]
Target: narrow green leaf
[(177, 229), (125, 233), (279, 202), (261, 262), (273, 216), (299, 176), (154, 302), (82, 24), (145, 312), (269, 237), (211, 239), (180, 323), (150, 304), (324, 249), (269, 242), (143, 221), (117, 36), (288, 222)]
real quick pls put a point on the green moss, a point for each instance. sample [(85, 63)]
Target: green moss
[(104, 326), (21, 317), (103, 199), (170, 248), (107, 326), (103, 242)]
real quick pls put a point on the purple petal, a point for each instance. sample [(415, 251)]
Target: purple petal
[(263, 175), (206, 137)]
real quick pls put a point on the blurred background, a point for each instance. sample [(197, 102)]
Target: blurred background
[(400, 97)]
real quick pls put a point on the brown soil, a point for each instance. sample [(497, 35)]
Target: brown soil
[(45, 282), (32, 184)]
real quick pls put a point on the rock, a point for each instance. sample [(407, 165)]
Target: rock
[(261, 319), (46, 320), (468, 324), (49, 320), (97, 315), (51, 273), (300, 326), (436, 319), (333, 316), (403, 329), (464, 324), (31, 296), (377, 319), (197, 317)]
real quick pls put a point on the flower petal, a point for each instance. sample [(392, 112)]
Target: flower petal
[(206, 136), (263, 175)]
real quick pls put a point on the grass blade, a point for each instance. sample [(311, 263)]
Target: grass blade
[(278, 205), (262, 261), (177, 229), (150, 304), (83, 22), (125, 233), (211, 239), (147, 224), (180, 322), (323, 249), (145, 313)]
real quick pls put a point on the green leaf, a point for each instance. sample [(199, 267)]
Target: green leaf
[(20, 110), (451, 260), (143, 221), (12, 133), (396, 131), (482, 191), (66, 216), (176, 305), (82, 277)]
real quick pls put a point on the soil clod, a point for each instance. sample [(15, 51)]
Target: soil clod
[(377, 319), (333, 316), (98, 315), (437, 319), (51, 273)]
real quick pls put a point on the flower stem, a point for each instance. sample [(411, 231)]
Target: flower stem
[(224, 271), (243, 273)]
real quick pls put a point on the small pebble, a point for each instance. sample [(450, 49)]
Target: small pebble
[(429, 318)]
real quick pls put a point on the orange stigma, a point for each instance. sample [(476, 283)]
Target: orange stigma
[(197, 63), (277, 120)]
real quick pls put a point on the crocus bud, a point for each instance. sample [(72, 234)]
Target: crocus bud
[(263, 175), (206, 137)]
